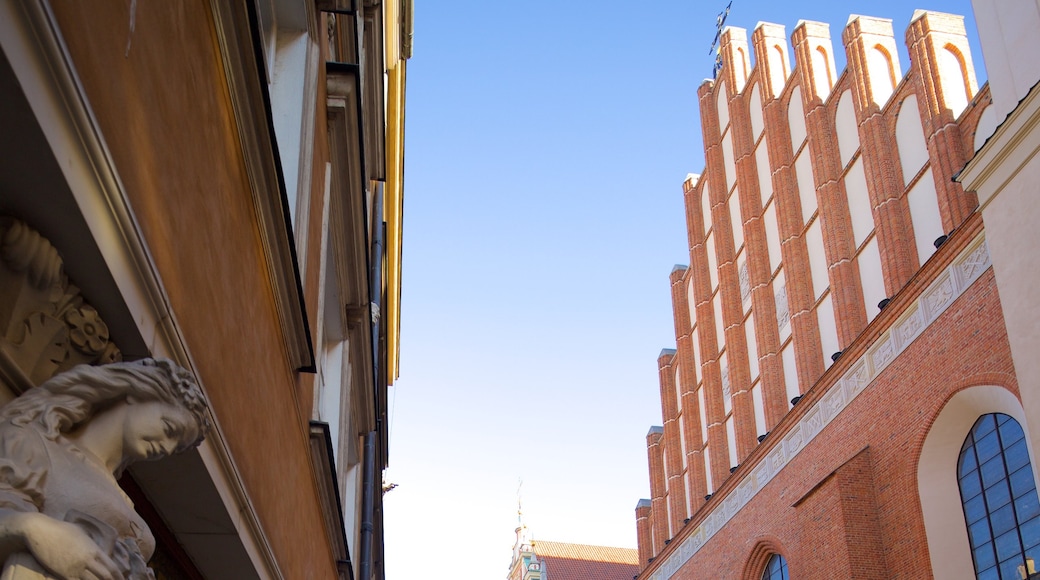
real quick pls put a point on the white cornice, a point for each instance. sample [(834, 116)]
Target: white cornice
[(1014, 143)]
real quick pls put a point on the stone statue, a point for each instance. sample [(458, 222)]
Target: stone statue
[(62, 446)]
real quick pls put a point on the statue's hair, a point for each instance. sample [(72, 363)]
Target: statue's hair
[(68, 399)]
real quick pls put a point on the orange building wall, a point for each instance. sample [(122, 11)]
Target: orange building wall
[(165, 112)]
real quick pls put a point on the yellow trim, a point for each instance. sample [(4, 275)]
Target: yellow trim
[(393, 200)]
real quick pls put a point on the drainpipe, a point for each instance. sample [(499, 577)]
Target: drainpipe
[(368, 490)]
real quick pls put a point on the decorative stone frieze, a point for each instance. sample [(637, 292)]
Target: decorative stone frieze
[(46, 325)]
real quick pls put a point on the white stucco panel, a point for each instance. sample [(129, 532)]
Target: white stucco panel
[(828, 329), (913, 151), (720, 326), (871, 277), (859, 203), (790, 372), (760, 409), (796, 120), (846, 128), (731, 439), (806, 185), (755, 108), (736, 219), (765, 174), (706, 206), (722, 106), (925, 216), (987, 124), (752, 345), (727, 157), (772, 236), (713, 262), (817, 259)]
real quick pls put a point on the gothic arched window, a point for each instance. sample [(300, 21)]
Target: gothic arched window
[(999, 497), (776, 568)]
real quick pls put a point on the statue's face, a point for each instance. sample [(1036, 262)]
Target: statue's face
[(153, 430)]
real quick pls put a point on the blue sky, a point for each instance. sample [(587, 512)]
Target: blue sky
[(546, 145)]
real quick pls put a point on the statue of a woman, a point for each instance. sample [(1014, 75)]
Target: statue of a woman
[(62, 446)]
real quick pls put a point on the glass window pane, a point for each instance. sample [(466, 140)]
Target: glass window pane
[(967, 461), (978, 532), (984, 556), (970, 486), (1009, 568), (1022, 481), (1007, 545), (1010, 432), (985, 425), (998, 496), (992, 471), (996, 444), (1030, 532), (987, 447), (1027, 506), (974, 509), (1002, 520), (1017, 455)]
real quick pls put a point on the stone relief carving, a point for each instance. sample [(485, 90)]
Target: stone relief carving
[(62, 446), (46, 326)]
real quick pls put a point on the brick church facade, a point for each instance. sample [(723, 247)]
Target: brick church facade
[(842, 375)]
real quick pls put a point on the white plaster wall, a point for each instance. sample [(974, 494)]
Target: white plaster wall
[(696, 353), (1010, 45), (772, 236), (924, 215), (778, 69), (677, 383), (780, 298), (713, 262), (727, 393), (735, 218), (760, 409), (721, 106), (691, 302), (765, 174), (951, 78), (710, 483), (796, 120), (987, 124), (731, 440), (846, 127), (806, 185), (790, 372), (704, 418), (720, 332), (752, 345), (755, 106), (859, 203), (706, 207), (727, 156), (880, 67), (823, 69), (871, 277), (742, 266), (913, 151), (828, 329), (817, 259)]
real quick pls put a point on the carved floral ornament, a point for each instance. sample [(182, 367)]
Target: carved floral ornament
[(46, 325)]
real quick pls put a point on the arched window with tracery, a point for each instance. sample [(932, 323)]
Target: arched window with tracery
[(776, 568), (998, 494)]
